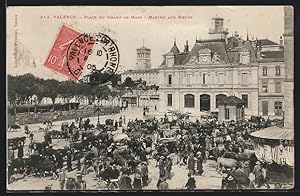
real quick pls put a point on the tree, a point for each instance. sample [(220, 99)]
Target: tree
[(82, 90), (115, 79), (12, 90), (67, 90), (26, 87), (101, 92), (129, 83), (40, 89), (52, 89)]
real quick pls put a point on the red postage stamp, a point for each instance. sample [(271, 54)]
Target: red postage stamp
[(57, 58)]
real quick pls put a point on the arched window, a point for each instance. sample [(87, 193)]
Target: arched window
[(204, 102), (189, 101)]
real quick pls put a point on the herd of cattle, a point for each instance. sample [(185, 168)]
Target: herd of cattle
[(44, 160)]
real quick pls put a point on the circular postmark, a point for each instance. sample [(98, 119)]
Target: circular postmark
[(96, 55)]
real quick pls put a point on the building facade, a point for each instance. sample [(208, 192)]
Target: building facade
[(148, 75), (197, 79), (143, 68), (270, 57)]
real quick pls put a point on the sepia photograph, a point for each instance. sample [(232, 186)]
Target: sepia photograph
[(144, 98)]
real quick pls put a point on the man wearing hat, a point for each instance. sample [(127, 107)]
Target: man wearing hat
[(191, 163), (62, 178), (191, 183), (69, 161), (71, 184), (161, 166), (137, 182), (144, 172), (115, 173), (199, 163), (168, 164), (124, 181), (257, 171), (80, 183)]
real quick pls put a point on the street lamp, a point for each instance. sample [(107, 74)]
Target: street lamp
[(98, 110)]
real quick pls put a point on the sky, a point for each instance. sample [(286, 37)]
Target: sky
[(35, 36)]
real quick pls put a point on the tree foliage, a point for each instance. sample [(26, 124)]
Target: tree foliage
[(22, 88)]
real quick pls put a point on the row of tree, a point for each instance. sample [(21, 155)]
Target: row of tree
[(22, 88)]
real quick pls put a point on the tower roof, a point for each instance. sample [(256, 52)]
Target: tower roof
[(143, 48), (217, 18), (232, 101)]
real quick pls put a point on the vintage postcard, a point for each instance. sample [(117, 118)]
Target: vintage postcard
[(137, 98)]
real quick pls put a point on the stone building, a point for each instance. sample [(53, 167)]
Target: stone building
[(143, 58), (143, 68), (148, 75), (198, 79), (142, 71), (271, 76)]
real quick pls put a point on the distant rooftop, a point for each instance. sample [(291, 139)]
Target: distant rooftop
[(143, 48), (140, 71), (266, 42)]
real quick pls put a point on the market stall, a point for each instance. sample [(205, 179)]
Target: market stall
[(275, 145)]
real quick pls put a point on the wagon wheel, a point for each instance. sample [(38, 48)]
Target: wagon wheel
[(113, 186)]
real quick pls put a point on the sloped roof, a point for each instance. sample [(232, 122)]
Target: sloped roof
[(275, 133), (163, 63), (175, 49), (232, 42), (169, 54), (140, 71), (266, 42), (231, 101), (218, 18), (179, 58), (247, 45), (143, 48), (214, 46), (272, 54)]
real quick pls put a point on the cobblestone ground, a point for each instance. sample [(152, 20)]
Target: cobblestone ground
[(210, 179)]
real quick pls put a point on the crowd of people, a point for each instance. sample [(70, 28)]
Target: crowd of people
[(122, 163)]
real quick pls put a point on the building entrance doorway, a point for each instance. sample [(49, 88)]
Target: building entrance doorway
[(204, 102), (264, 108)]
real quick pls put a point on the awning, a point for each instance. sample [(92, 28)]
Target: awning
[(275, 133), (129, 96)]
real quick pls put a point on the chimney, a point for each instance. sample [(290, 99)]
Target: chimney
[(186, 47), (281, 41)]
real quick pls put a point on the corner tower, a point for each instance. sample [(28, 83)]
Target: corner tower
[(217, 30), (143, 60)]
